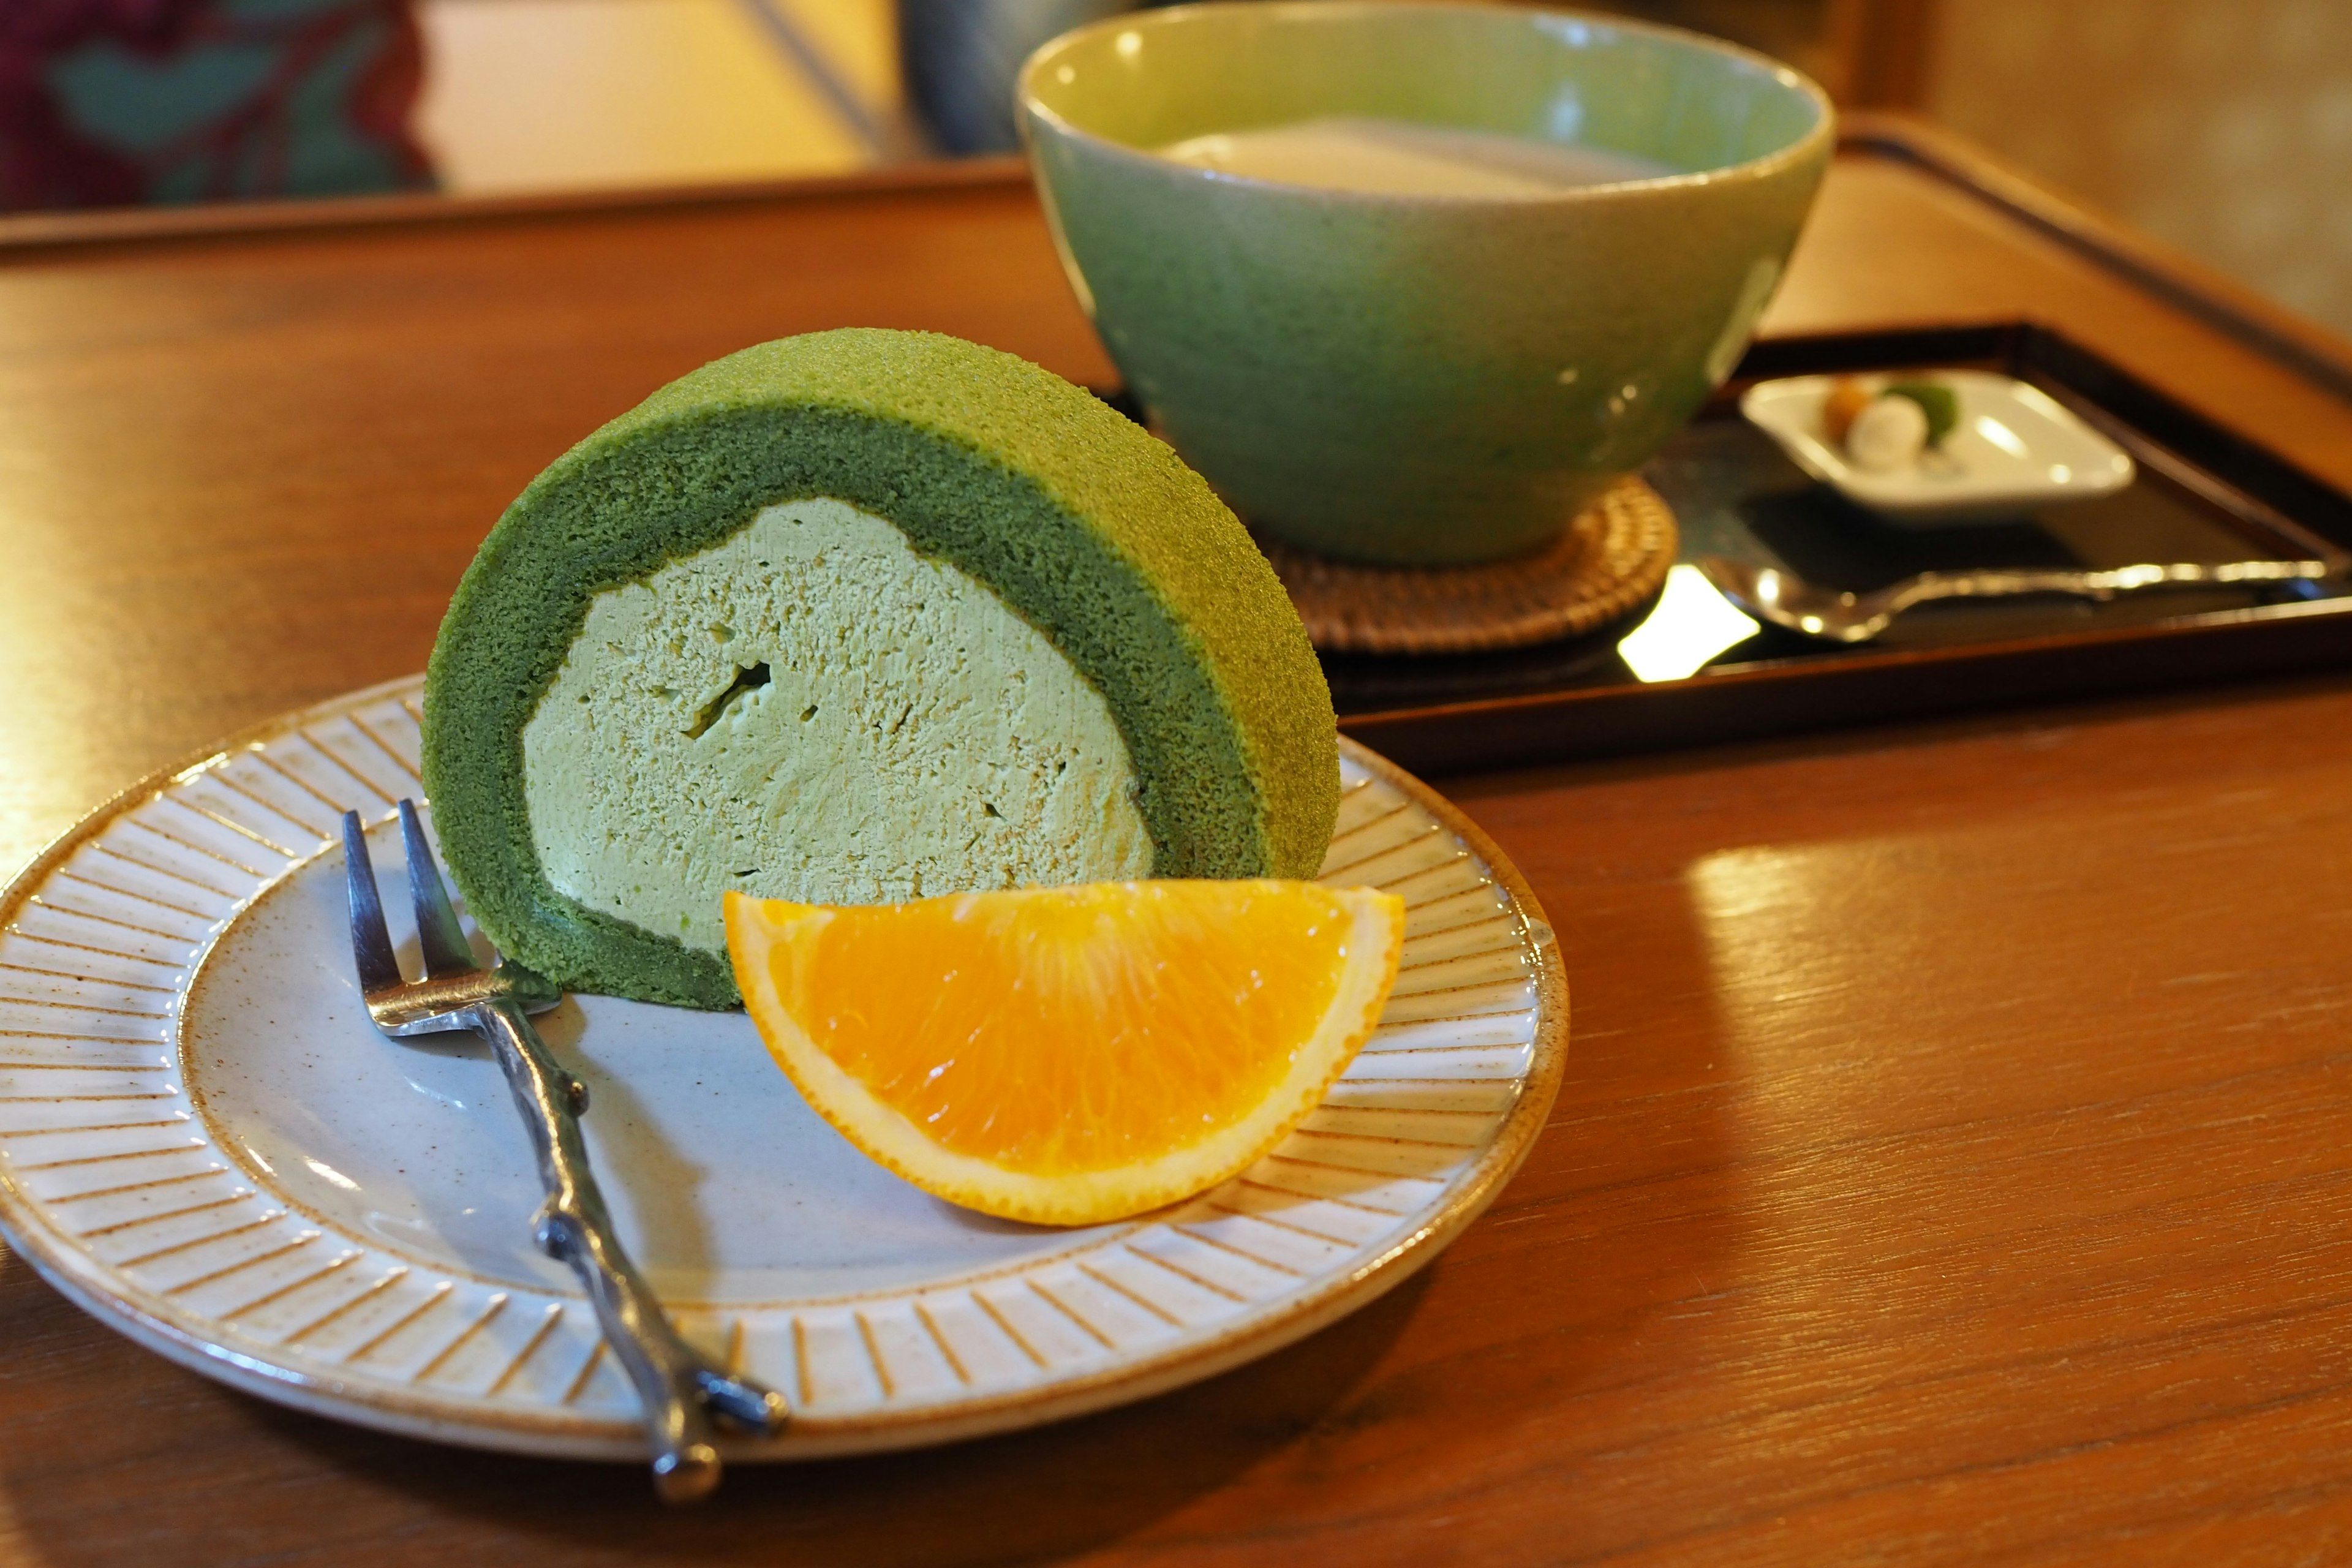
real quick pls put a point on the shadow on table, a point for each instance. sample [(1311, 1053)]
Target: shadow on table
[(127, 1459), (1025, 1496)]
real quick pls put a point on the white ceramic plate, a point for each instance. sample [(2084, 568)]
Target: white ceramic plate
[(203, 1143), (2015, 449)]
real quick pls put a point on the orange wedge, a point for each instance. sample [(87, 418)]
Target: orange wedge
[(1068, 1056)]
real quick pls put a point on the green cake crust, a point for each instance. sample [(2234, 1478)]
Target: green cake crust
[(1087, 528)]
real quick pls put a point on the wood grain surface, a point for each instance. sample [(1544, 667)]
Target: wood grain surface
[(1953, 1162)]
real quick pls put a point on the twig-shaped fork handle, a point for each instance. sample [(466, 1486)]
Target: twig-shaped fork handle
[(677, 1388)]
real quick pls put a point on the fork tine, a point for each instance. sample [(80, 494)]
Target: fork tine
[(371, 942), (437, 930)]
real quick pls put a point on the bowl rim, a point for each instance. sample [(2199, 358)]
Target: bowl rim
[(1811, 143)]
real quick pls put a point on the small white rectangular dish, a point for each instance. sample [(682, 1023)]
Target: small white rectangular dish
[(2014, 449)]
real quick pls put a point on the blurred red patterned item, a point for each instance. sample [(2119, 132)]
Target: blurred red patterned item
[(117, 102)]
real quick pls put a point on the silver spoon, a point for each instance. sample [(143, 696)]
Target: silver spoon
[(1788, 600)]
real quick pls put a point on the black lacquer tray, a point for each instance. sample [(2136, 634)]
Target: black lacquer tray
[(2204, 493)]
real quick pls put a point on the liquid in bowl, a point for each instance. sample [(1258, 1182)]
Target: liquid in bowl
[(1380, 156)]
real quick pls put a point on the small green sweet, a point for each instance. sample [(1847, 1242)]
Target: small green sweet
[(1936, 400), (854, 616)]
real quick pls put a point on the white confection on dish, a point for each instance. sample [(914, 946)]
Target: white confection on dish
[(812, 710), (1889, 434)]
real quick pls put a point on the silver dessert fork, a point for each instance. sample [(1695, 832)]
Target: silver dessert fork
[(680, 1389)]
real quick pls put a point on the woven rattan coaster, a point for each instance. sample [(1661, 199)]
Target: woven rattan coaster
[(1612, 558)]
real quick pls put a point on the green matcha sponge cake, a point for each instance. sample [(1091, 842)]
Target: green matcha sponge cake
[(857, 617)]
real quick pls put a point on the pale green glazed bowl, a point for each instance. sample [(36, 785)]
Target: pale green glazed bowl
[(1422, 379)]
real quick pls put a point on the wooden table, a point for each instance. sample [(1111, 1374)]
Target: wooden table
[(1953, 1160)]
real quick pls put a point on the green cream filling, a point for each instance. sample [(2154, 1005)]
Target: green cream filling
[(812, 710), (1083, 530)]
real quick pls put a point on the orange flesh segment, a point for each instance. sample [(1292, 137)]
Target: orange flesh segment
[(1069, 1055), (1078, 1030)]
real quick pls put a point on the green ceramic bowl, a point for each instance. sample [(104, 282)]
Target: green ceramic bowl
[(1418, 378)]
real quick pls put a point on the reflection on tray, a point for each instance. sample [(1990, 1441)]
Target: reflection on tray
[(1690, 626)]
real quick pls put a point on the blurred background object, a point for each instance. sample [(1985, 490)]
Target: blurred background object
[(2223, 128), (548, 95), (960, 58), (112, 103), (1867, 53), (2220, 127)]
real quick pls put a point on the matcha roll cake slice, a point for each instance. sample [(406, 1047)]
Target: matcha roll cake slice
[(859, 617)]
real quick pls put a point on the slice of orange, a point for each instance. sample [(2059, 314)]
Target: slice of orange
[(1069, 1055)]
